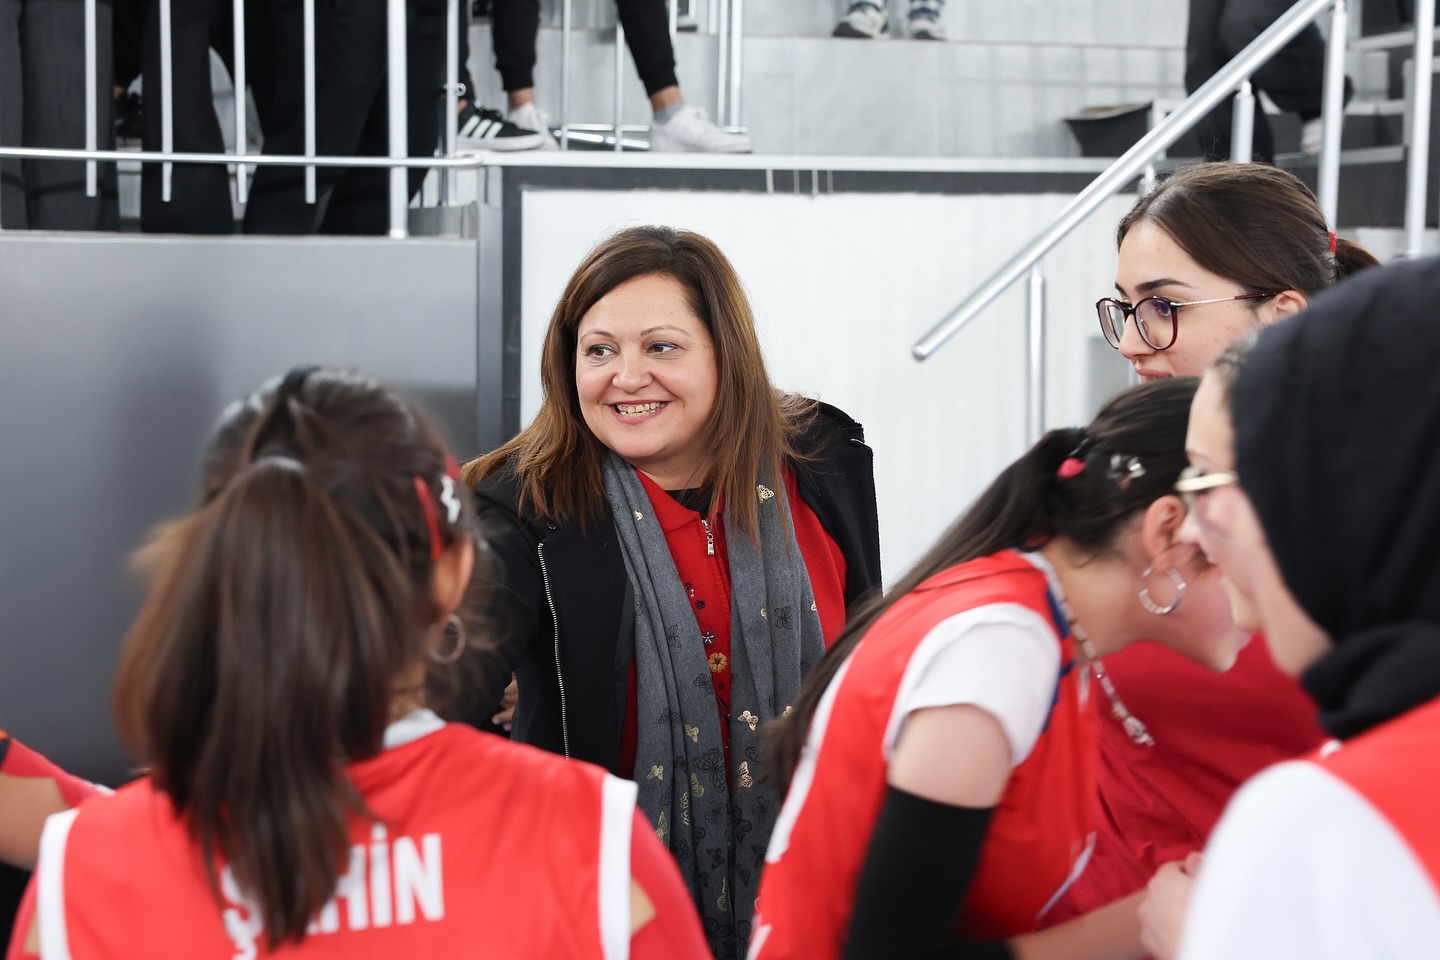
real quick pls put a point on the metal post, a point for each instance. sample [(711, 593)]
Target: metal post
[(167, 106), (452, 95), (92, 111), (1035, 355), (1149, 180), (1242, 129), (399, 117), (1328, 176), (1416, 186), (619, 84), (674, 20), (242, 190), (566, 16), (309, 44), (722, 59), (736, 51)]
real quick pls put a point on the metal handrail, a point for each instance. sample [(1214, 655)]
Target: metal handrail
[(1134, 161)]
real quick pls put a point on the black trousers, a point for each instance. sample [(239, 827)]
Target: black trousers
[(351, 114), (1294, 78), (515, 24)]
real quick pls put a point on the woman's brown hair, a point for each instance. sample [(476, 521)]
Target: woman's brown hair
[(1252, 223), (752, 427), (282, 614)]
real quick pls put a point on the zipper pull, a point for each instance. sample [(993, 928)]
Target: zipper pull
[(709, 538)]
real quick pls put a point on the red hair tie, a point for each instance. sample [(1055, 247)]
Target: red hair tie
[(422, 490), (1071, 467), (1332, 243)]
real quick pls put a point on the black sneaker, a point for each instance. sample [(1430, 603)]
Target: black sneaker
[(485, 129)]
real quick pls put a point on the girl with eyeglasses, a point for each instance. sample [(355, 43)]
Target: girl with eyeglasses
[(1216, 251), (1320, 502)]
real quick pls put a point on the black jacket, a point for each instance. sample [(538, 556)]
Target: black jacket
[(565, 607)]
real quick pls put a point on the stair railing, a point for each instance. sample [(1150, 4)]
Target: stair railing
[(1139, 160)]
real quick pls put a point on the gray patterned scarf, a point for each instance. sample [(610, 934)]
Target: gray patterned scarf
[(717, 831)]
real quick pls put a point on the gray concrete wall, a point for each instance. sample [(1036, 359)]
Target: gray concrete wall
[(116, 356)]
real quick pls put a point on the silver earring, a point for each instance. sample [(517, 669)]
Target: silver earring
[(1150, 604), (458, 626)]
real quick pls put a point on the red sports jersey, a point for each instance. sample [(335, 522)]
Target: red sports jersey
[(1393, 766), (483, 848), (1040, 835)]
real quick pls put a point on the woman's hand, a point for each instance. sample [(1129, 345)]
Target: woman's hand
[(1162, 912), (506, 716)]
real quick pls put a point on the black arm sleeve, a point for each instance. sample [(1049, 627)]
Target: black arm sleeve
[(921, 860)]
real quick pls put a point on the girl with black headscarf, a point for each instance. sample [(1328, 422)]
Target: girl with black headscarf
[(1333, 545)]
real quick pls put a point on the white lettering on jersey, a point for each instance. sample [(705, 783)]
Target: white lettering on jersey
[(371, 901), (418, 879)]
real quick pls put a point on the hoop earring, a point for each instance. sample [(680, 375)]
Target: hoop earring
[(1151, 605), (450, 657)]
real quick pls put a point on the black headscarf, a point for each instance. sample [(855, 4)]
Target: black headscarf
[(1337, 443)]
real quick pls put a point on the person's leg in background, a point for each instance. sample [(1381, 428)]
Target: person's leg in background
[(514, 26), (349, 79), (484, 128), (1294, 78), (12, 105), (52, 44), (867, 19), (200, 192), (1204, 56), (360, 201), (677, 126)]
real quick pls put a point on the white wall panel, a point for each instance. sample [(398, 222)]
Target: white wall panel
[(842, 286)]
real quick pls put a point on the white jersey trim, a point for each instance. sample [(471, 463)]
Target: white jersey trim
[(50, 892), (411, 727), (1304, 865), (617, 819), (1002, 657), (804, 776)]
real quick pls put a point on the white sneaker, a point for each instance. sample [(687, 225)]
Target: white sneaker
[(531, 117), (690, 131), (925, 24), (1312, 136), (863, 21)]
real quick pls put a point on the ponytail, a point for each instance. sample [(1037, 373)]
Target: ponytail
[(1130, 456), (280, 617), (1351, 258)]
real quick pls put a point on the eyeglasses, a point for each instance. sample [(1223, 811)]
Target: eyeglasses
[(1154, 317), (1194, 482)]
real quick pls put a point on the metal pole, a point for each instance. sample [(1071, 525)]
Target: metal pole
[(1035, 356), (722, 59), (1328, 176), (1149, 180), (737, 52), (167, 106), (1242, 129), (566, 15), (310, 149), (1134, 160), (619, 83), (92, 107), (242, 190), (674, 20), (1417, 184), (452, 92), (399, 117)]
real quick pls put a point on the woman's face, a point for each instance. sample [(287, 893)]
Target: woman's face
[(646, 378), (1152, 264), (1225, 526), (1202, 628)]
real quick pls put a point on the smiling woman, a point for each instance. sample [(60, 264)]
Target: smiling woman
[(680, 542)]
